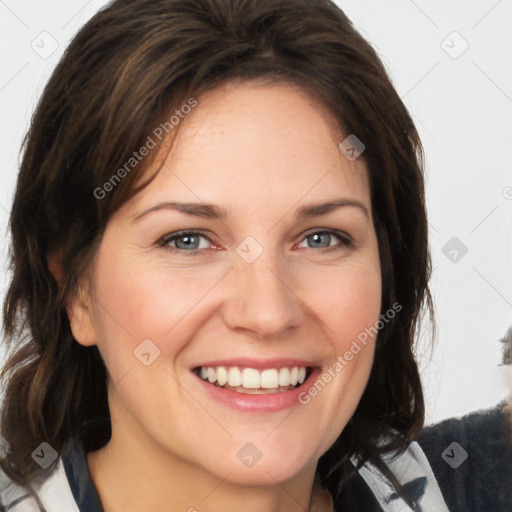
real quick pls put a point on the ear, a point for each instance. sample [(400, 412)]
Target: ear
[(55, 267), (79, 308)]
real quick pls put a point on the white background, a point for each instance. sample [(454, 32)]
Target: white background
[(463, 109)]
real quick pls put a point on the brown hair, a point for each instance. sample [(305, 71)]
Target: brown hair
[(133, 62)]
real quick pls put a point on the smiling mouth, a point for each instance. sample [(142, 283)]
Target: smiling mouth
[(252, 381)]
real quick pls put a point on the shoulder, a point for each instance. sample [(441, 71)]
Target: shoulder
[(472, 460), (460, 464), (52, 491), (374, 488)]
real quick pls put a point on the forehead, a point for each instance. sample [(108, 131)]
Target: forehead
[(254, 142)]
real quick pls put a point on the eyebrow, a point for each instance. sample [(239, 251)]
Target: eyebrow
[(211, 211), (317, 209)]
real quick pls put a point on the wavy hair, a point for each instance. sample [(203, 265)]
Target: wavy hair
[(131, 64)]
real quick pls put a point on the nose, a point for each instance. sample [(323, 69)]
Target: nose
[(262, 300)]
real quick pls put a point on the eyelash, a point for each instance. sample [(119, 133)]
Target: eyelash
[(345, 240)]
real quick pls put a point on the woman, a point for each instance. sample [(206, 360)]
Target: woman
[(219, 260)]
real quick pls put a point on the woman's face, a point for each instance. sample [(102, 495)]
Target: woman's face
[(252, 251)]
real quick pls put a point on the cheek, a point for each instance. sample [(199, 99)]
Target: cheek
[(354, 309), (147, 301), (358, 303), (347, 298), (348, 304)]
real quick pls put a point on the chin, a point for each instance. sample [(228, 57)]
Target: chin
[(266, 474), (252, 466)]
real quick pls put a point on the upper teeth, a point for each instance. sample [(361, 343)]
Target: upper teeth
[(251, 378)]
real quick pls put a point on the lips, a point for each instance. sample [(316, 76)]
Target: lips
[(247, 373)]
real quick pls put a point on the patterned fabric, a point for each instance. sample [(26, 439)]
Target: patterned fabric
[(55, 494), (414, 473)]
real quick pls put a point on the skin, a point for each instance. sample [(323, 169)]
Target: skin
[(260, 152)]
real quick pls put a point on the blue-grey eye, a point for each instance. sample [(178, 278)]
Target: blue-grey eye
[(187, 241), (322, 240)]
